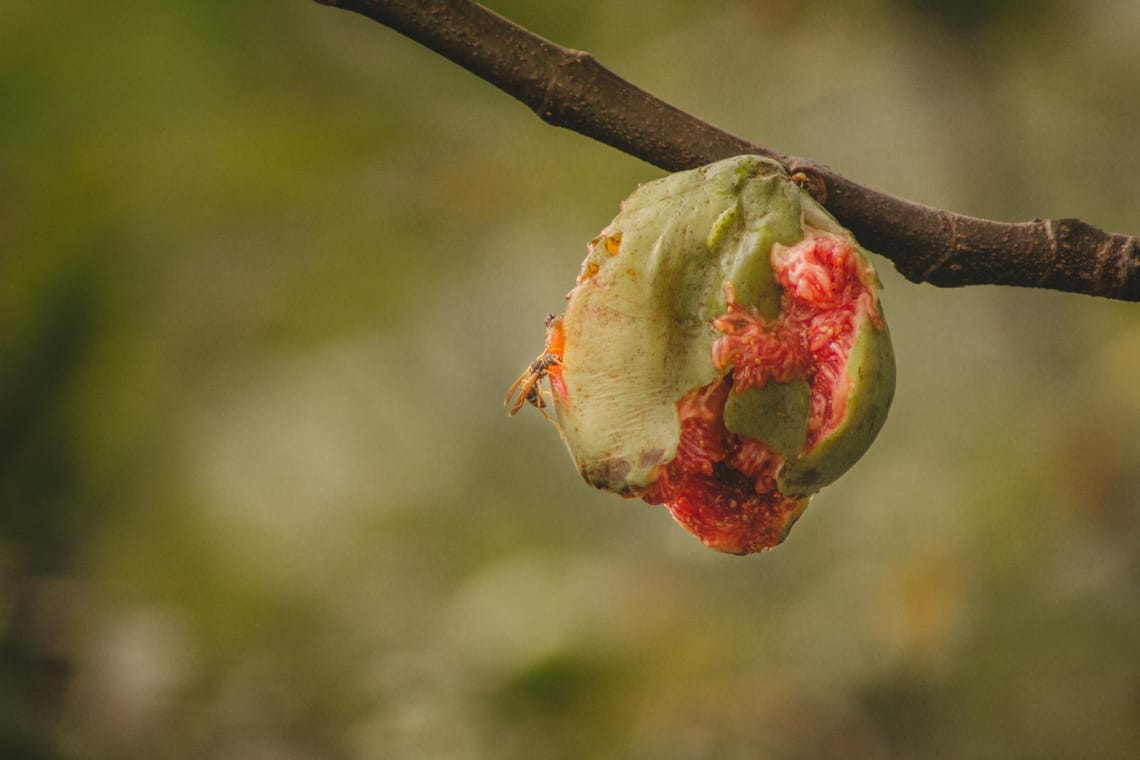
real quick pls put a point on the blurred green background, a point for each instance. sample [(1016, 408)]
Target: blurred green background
[(267, 269)]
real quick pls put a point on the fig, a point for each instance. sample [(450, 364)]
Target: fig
[(723, 353)]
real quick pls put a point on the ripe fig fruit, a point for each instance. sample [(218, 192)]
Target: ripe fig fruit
[(723, 353)]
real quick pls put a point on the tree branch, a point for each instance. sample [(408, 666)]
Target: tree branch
[(570, 89)]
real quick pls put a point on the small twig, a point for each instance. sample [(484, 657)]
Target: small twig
[(570, 89)]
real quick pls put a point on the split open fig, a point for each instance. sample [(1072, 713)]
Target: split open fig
[(723, 352)]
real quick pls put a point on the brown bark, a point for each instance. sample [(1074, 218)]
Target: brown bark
[(570, 89)]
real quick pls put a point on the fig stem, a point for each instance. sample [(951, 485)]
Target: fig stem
[(571, 89)]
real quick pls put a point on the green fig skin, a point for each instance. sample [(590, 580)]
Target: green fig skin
[(638, 334), (637, 327)]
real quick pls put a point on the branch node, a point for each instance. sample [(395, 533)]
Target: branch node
[(813, 183), (950, 249)]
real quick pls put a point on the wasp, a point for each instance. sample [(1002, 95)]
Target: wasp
[(528, 387)]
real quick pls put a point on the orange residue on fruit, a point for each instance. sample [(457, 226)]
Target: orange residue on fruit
[(613, 243), (589, 270), (556, 346)]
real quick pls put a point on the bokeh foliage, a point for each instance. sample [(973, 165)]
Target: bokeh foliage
[(266, 270)]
